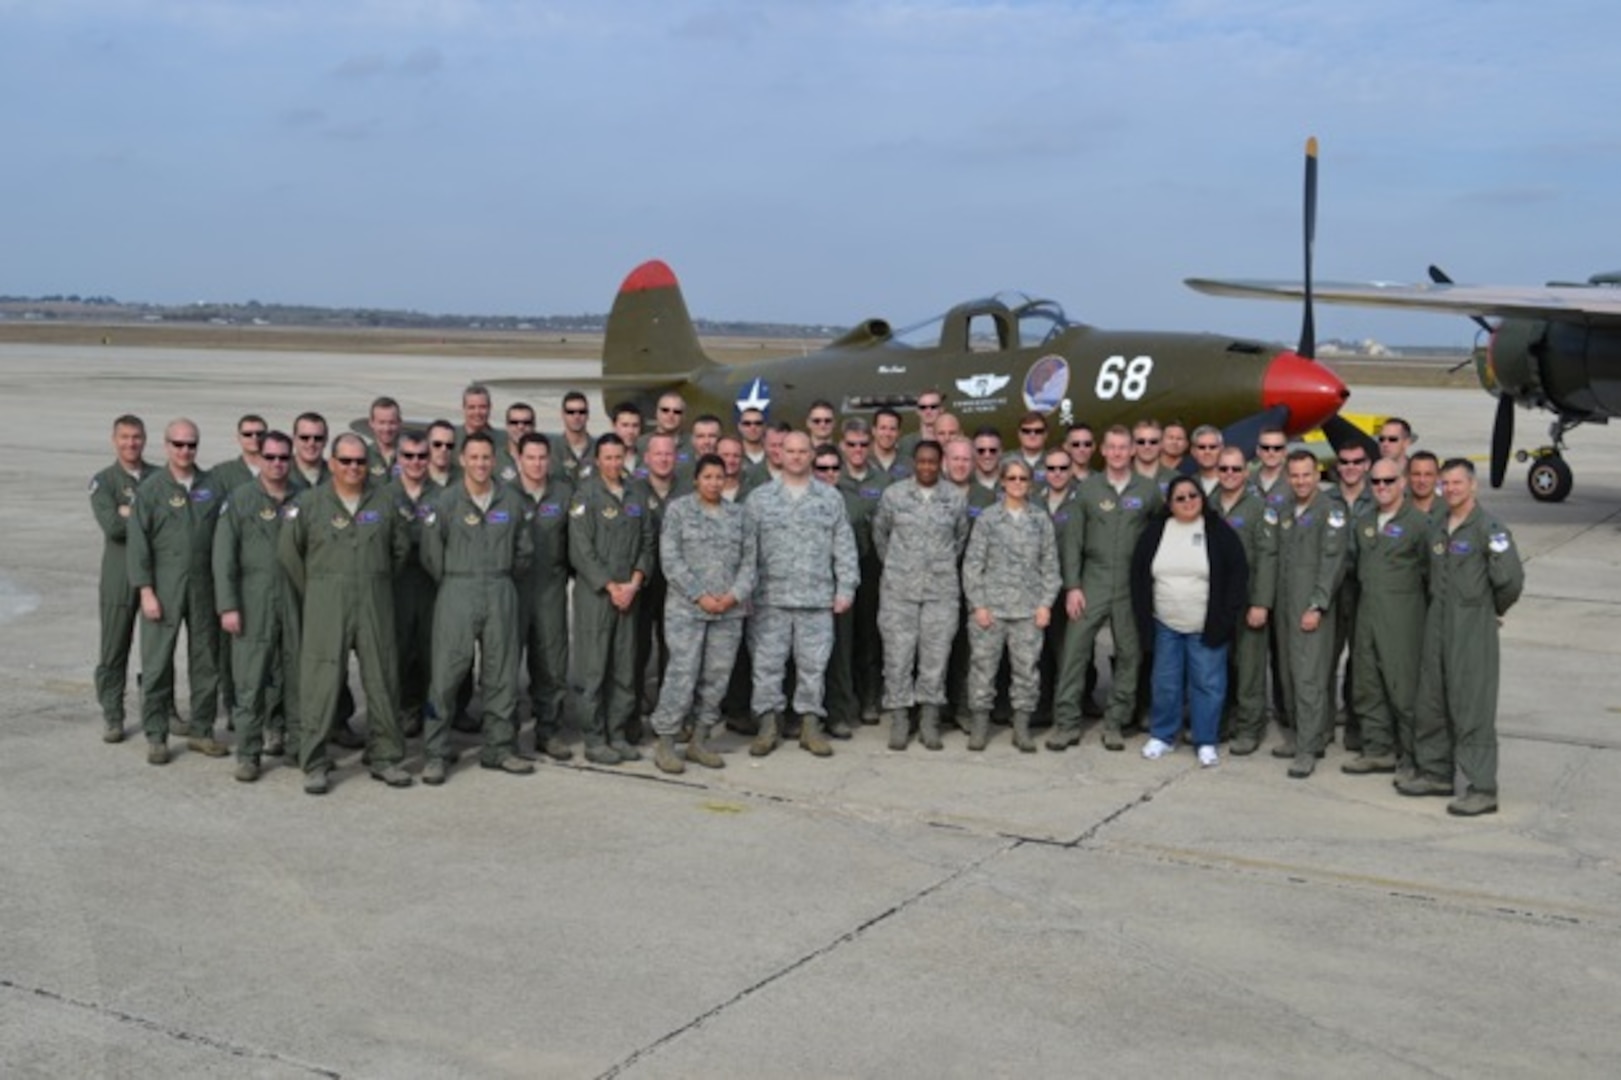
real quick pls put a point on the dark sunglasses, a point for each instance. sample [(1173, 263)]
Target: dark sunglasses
[(351, 462), (183, 444), (409, 455), (1382, 481)]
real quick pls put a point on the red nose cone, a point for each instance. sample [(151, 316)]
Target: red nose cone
[(1311, 391)]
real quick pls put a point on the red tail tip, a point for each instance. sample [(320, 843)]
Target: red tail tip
[(652, 274)]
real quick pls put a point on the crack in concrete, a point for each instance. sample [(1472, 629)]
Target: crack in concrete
[(177, 1034), (828, 949)]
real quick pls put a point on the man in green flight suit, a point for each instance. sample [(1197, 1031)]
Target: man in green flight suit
[(543, 591), (342, 544), (112, 500), (257, 608), (475, 543), (612, 547), (1311, 561), (1257, 527), (171, 547), (1475, 577), (1393, 562), (1110, 509)]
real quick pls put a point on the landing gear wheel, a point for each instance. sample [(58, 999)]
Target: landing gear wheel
[(1549, 479)]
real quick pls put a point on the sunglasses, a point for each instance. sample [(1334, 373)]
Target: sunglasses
[(986, 450), (576, 412), (1353, 461), (521, 423), (1062, 466), (437, 445), (306, 437), (1207, 446), (667, 409), (183, 444), (1032, 431), (275, 457), (927, 408), (1382, 481), (1147, 442), (408, 455), (827, 468), (857, 443), (750, 423), (1276, 448), (1015, 479), (821, 420), (351, 462), (1229, 468), (256, 434), (1186, 496), (1391, 438), (1083, 444)]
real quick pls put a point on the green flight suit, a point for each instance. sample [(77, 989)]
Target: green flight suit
[(414, 593), (249, 579), (1311, 562), (171, 549), (1475, 577), (1052, 643), (342, 566), (380, 469), (476, 556), (855, 674), (543, 605), (299, 483), (1257, 528), (1095, 557), (609, 538), (1393, 564), (117, 602), (1345, 605), (227, 477)]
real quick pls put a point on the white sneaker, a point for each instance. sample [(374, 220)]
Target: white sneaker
[(1208, 756), (1154, 749)]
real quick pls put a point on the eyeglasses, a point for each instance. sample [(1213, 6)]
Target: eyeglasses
[(1353, 461), (1207, 446), (576, 412), (1275, 448), (1062, 466), (183, 444), (275, 457), (407, 455), (257, 433), (1147, 442), (520, 423), (1186, 496), (821, 420), (305, 436), (1015, 479), (1381, 481), (351, 462), (750, 423), (827, 468), (1229, 468), (1081, 444), (857, 443), (921, 407), (668, 409), (986, 450), (1391, 438), (1032, 431)]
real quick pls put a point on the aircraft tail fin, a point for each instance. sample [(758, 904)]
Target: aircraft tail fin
[(650, 333)]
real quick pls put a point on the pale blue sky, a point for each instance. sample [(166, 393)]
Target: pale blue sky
[(803, 161)]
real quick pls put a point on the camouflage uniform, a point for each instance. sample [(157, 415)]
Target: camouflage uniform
[(1010, 568), (543, 605), (919, 534), (1475, 577), (119, 605), (249, 579), (652, 650), (1096, 558), (855, 676), (171, 549), (1257, 528), (343, 564), (704, 553), (807, 560), (1311, 561), (610, 537), (475, 555)]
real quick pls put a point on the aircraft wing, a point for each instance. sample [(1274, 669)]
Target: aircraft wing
[(1590, 304)]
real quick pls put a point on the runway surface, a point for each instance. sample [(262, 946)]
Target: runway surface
[(876, 914)]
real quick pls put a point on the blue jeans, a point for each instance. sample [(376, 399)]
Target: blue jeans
[(1184, 664)]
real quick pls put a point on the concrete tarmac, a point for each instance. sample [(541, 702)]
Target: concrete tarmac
[(876, 914)]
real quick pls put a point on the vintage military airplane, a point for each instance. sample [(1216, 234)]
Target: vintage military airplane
[(994, 360), (1556, 347)]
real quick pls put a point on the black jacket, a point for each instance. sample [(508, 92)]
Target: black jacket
[(1229, 580)]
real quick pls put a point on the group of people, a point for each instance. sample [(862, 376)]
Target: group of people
[(800, 581)]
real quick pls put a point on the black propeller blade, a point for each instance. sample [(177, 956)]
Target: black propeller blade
[(1308, 326), (1502, 438)]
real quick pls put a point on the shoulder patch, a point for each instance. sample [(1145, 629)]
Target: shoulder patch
[(94, 484), (1336, 518), (1499, 543), (290, 513), (1271, 516), (577, 510)]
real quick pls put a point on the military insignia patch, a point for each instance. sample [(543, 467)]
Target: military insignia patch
[(268, 513), (177, 501), (1499, 543), (1336, 519), (379, 469), (289, 513), (549, 510), (633, 510), (1460, 547), (1106, 505), (1394, 531), (577, 510), (201, 495), (1368, 532), (498, 517), (368, 517), (1131, 502), (610, 512), (1439, 547), (94, 484), (1271, 516), (339, 522), (470, 518), (1236, 521)]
